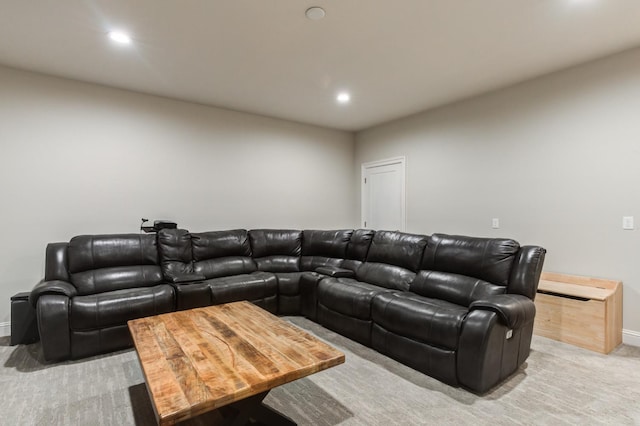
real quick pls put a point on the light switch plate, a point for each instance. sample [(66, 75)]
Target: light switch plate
[(627, 222), (495, 223)]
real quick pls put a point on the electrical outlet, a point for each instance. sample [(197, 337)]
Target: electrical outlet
[(627, 222), (495, 223)]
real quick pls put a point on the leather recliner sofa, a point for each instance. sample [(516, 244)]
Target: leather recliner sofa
[(457, 308)]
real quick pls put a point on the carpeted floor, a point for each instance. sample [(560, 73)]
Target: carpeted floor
[(559, 384)]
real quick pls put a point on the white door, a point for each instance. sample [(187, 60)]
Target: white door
[(383, 196)]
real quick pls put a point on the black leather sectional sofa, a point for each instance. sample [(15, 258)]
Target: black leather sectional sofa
[(457, 308)]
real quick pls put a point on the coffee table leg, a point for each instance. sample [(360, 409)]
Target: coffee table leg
[(239, 413), (268, 416), (252, 411)]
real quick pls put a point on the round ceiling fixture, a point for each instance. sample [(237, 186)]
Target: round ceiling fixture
[(315, 13), (120, 37), (343, 97)]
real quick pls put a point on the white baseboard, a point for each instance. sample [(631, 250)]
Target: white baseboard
[(630, 337), (5, 328)]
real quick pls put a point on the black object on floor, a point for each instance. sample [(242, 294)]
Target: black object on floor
[(24, 326)]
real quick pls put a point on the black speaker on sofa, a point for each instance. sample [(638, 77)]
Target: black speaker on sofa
[(157, 225)]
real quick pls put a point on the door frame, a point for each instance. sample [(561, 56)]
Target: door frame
[(363, 193)]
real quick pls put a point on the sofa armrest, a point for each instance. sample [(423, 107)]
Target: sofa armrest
[(309, 294), (185, 278), (192, 295), (494, 341), (513, 310), (52, 311), (62, 288), (334, 271)]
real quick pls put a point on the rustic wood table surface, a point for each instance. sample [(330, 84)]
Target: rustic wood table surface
[(226, 358)]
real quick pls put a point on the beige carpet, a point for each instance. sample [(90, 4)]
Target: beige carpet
[(559, 384)]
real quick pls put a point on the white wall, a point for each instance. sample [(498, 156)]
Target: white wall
[(556, 159), (77, 158)]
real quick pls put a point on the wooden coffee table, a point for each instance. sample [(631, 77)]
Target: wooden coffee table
[(225, 358)]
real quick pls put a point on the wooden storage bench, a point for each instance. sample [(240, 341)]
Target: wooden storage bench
[(582, 311)]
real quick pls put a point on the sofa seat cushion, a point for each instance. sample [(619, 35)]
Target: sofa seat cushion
[(289, 298), (113, 308), (431, 321), (289, 283), (254, 286), (348, 296)]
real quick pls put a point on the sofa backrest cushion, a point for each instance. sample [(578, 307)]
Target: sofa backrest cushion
[(174, 250), (489, 259), (276, 250), (358, 248), (99, 263), (214, 244), (392, 260), (397, 248), (222, 253), (323, 248), (526, 271), (454, 288)]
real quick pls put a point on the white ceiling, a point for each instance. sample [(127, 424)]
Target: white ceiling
[(265, 57)]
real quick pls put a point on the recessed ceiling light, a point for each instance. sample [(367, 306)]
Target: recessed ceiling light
[(120, 37), (343, 97), (315, 13)]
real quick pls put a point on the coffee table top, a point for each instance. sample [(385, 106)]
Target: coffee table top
[(199, 360)]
